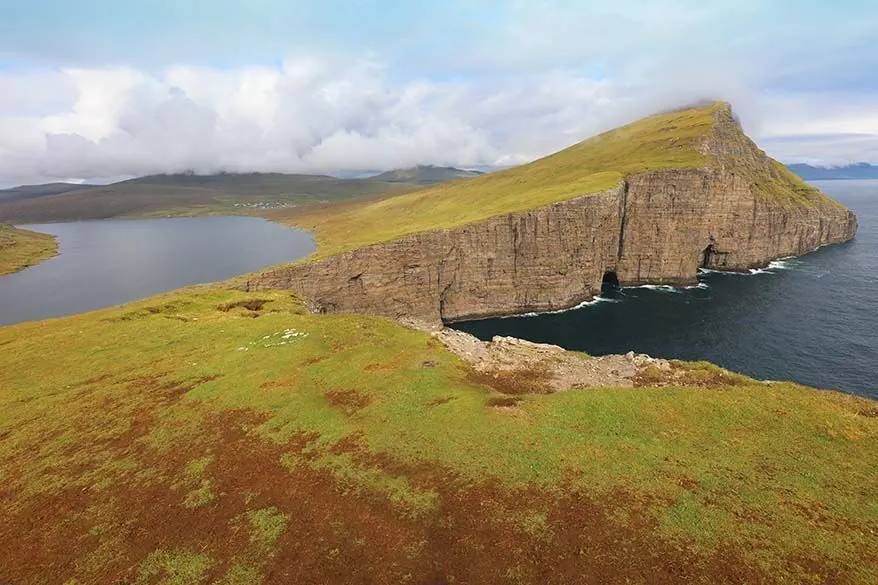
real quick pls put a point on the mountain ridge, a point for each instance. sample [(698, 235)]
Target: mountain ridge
[(425, 174), (188, 194), (193, 193), (40, 190)]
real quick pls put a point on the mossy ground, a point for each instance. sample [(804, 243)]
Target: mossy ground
[(22, 248), (213, 436)]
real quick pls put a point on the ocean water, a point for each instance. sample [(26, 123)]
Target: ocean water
[(812, 319), (108, 262)]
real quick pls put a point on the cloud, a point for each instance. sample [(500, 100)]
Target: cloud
[(93, 92), (824, 149), (306, 116), (311, 115)]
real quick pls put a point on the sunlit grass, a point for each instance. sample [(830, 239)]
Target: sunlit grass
[(22, 248), (730, 464)]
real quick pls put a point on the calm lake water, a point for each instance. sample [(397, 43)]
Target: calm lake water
[(812, 319), (104, 263)]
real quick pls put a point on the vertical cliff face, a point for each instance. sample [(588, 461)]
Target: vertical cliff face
[(546, 259), (678, 221), (740, 212)]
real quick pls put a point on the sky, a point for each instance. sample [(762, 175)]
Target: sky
[(98, 90)]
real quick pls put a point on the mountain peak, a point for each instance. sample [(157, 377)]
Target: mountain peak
[(425, 175)]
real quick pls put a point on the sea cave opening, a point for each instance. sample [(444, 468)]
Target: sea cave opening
[(707, 256), (609, 283)]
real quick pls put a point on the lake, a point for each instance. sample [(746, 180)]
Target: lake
[(812, 319), (108, 262)]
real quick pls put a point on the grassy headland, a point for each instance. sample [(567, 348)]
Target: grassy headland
[(22, 248), (671, 140), (212, 436)]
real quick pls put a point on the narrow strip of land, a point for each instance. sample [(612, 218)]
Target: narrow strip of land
[(22, 248)]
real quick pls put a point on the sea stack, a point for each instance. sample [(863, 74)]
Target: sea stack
[(648, 203)]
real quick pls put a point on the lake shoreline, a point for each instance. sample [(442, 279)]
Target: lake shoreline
[(21, 248), (109, 262)]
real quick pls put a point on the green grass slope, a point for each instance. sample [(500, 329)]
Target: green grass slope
[(214, 437), (22, 248), (30, 191), (163, 195), (671, 140)]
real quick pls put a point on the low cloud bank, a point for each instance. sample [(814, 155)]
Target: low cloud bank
[(313, 116)]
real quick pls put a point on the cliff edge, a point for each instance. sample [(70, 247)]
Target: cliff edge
[(649, 203)]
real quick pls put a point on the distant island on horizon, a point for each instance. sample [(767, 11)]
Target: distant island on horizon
[(846, 172)]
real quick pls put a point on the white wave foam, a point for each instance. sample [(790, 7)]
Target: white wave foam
[(749, 272), (658, 287), (581, 305), (701, 285), (786, 263), (779, 265)]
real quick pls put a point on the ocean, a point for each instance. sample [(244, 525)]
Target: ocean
[(811, 319)]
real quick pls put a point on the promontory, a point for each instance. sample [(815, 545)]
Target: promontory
[(651, 202)]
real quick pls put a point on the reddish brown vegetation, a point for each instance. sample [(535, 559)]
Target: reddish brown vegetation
[(378, 367), (480, 532), (504, 401), (520, 381), (349, 401), (277, 384), (439, 401), (249, 304)]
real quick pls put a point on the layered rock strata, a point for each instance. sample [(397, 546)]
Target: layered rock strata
[(655, 227)]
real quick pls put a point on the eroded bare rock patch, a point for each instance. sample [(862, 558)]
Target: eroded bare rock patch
[(515, 366)]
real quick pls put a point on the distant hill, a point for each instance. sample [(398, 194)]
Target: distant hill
[(856, 171), (29, 191), (192, 194), (425, 175), (243, 183), (183, 194)]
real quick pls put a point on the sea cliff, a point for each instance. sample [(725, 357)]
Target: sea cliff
[(737, 210)]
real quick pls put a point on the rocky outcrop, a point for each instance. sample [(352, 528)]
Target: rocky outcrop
[(518, 366), (655, 227)]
